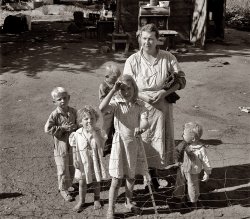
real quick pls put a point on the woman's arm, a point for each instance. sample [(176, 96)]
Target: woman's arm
[(145, 98), (163, 93)]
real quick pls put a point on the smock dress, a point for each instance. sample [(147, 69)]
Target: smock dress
[(89, 153), (127, 157), (159, 138)]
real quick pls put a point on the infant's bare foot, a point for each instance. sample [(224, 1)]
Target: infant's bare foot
[(97, 205)]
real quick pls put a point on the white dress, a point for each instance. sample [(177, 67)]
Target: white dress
[(127, 157), (150, 78), (89, 149)]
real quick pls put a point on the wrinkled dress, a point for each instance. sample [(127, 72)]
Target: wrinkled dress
[(127, 157), (89, 154), (159, 138)]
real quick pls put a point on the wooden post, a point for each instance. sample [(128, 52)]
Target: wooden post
[(118, 16)]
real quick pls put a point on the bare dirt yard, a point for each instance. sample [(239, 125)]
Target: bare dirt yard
[(32, 63)]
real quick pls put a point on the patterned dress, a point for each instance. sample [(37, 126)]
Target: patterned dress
[(150, 78), (127, 157), (89, 151)]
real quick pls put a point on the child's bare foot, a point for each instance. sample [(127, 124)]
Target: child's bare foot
[(67, 197), (79, 207), (97, 205), (132, 207), (110, 214)]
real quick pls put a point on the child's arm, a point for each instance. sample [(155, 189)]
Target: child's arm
[(75, 161), (102, 93), (143, 124), (73, 144), (180, 151), (106, 100), (206, 165)]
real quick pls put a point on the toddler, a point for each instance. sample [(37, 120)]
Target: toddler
[(61, 122), (193, 158), (87, 143), (127, 154), (113, 73)]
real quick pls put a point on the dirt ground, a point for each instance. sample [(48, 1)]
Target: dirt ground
[(33, 63)]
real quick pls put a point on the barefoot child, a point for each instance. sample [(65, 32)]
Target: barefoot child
[(61, 122), (87, 143), (127, 157), (112, 74), (193, 158)]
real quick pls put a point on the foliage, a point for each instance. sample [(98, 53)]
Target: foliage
[(238, 14)]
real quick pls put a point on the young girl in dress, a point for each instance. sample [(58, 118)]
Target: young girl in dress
[(127, 157), (87, 143)]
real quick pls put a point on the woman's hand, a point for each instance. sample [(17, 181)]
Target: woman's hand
[(159, 95), (145, 98)]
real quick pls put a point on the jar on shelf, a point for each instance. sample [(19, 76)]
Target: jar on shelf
[(153, 2)]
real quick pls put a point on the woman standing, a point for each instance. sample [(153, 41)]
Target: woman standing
[(158, 75)]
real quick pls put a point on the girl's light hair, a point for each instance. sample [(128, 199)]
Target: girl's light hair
[(58, 90), (194, 128), (129, 79), (112, 69), (86, 110)]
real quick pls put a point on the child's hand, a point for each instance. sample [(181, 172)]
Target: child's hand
[(117, 85), (76, 164), (73, 126), (66, 127), (138, 131), (69, 127), (205, 177)]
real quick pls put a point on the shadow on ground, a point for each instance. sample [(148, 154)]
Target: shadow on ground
[(226, 187), (48, 46), (10, 195)]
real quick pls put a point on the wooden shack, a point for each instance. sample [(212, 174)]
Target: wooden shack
[(194, 20)]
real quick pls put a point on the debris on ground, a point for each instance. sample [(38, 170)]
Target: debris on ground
[(244, 109)]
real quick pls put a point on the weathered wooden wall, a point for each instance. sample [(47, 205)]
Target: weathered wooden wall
[(179, 20), (187, 17)]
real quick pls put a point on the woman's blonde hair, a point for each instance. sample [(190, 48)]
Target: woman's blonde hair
[(150, 28), (86, 110), (128, 78)]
